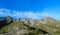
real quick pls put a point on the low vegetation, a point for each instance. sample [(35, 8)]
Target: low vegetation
[(22, 28)]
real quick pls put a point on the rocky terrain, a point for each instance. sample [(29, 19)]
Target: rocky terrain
[(29, 26)]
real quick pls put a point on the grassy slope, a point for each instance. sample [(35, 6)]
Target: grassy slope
[(53, 28)]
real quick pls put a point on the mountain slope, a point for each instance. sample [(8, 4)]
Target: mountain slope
[(5, 21), (29, 26), (48, 20)]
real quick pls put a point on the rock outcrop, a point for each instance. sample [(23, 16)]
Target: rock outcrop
[(29, 26)]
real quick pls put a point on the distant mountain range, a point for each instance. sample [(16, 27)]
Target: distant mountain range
[(47, 25), (42, 21)]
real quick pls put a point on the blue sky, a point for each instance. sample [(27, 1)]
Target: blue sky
[(30, 8)]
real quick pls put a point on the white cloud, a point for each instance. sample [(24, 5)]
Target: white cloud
[(51, 13), (19, 14), (27, 14)]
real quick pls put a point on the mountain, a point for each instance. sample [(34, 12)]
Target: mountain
[(48, 20), (29, 26), (29, 20), (5, 21), (40, 21)]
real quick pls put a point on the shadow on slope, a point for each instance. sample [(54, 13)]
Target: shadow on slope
[(5, 21)]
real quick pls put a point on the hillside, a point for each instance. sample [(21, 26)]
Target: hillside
[(28, 26)]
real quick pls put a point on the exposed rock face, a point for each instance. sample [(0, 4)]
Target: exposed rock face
[(30, 21), (47, 20), (25, 26), (5, 21), (41, 21)]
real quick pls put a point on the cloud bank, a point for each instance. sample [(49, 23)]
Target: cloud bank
[(27, 14), (19, 14)]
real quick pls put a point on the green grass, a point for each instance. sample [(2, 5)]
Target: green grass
[(49, 27)]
